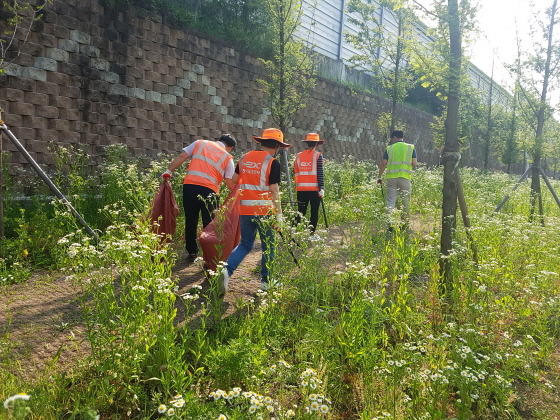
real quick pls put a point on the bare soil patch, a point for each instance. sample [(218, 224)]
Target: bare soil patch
[(41, 319)]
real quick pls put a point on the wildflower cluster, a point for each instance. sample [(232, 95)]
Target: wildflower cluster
[(308, 378), (173, 408), (318, 403), (17, 405), (382, 416)]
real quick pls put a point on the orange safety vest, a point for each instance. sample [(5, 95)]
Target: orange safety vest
[(305, 169), (208, 165), (254, 170)]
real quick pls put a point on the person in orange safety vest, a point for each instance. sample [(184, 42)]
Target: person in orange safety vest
[(210, 163), (310, 184), (258, 174)]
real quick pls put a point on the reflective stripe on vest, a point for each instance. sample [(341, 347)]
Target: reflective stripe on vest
[(305, 170), (254, 170), (399, 164), (208, 165)]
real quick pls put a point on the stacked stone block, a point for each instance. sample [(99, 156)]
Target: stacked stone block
[(96, 76)]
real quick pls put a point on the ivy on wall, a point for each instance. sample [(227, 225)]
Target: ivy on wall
[(245, 23)]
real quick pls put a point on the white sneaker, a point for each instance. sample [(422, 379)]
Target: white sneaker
[(314, 237), (264, 286), (223, 281)]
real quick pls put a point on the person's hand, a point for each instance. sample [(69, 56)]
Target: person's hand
[(167, 174), (379, 181), (321, 193)]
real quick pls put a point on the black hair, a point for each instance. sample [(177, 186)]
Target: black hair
[(311, 143), (228, 140), (398, 134), (269, 143)]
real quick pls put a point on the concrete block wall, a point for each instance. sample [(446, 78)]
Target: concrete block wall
[(97, 76)]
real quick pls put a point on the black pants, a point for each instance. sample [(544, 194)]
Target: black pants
[(197, 200), (305, 198)]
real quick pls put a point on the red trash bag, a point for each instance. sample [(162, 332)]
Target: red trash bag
[(221, 235), (164, 211)]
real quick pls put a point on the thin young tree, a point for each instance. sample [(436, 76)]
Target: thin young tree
[(511, 150), (542, 71), (444, 72), (383, 53), (291, 70)]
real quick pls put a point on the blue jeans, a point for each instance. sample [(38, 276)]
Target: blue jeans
[(249, 225)]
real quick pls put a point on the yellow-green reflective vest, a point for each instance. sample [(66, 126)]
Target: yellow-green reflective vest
[(399, 164)]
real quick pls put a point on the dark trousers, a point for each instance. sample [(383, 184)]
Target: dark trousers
[(305, 198), (197, 200)]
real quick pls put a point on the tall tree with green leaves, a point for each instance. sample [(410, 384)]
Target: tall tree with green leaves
[(511, 151), (383, 53), (444, 71), (540, 75), (291, 70)]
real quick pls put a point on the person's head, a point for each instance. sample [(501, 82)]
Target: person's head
[(272, 139), (312, 140), (397, 135), (228, 140)]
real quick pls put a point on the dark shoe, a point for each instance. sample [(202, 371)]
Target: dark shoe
[(192, 257)]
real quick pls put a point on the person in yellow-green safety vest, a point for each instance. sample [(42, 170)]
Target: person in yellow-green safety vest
[(398, 161)]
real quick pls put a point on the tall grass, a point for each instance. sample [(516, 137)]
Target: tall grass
[(358, 330)]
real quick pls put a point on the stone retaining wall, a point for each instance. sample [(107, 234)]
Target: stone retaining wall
[(95, 76)]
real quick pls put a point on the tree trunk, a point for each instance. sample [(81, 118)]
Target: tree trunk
[(489, 122), (536, 179), (450, 152)]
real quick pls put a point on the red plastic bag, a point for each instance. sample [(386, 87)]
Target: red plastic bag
[(221, 235), (165, 207)]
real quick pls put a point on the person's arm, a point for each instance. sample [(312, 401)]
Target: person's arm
[(228, 175), (382, 167), (230, 184), (178, 161), (414, 162), (320, 173), (236, 177)]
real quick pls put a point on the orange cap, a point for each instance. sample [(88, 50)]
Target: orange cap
[(314, 137)]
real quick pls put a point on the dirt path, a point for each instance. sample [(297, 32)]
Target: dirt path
[(42, 317)]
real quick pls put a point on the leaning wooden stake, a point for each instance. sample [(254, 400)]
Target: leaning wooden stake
[(465, 215)]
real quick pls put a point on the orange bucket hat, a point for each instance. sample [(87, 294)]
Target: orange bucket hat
[(314, 137), (272, 134)]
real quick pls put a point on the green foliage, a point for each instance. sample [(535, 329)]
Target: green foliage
[(381, 52), (246, 23), (359, 327), (291, 69), (16, 21)]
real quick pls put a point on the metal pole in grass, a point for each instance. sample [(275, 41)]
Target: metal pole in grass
[(45, 178), (549, 185), (324, 213), (506, 198)]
